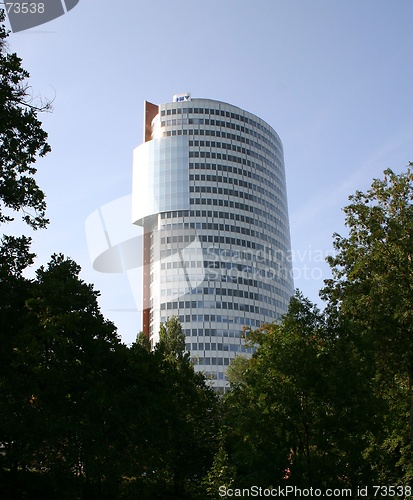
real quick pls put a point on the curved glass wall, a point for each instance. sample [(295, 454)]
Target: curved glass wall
[(160, 177)]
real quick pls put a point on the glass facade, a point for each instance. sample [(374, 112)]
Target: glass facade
[(213, 204), (160, 177)]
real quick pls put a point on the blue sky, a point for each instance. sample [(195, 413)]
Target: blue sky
[(334, 78)]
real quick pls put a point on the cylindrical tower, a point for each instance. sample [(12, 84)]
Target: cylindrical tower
[(209, 190)]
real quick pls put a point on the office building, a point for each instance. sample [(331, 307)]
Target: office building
[(209, 191)]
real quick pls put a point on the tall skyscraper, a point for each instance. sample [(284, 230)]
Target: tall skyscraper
[(209, 192)]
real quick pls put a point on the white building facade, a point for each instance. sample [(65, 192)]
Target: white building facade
[(209, 191)]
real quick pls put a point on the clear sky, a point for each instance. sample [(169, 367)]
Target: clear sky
[(334, 79)]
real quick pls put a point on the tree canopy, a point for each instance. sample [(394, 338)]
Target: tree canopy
[(373, 271), (22, 141), (301, 409)]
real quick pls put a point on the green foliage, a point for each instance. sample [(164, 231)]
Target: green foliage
[(237, 371), (222, 472), (57, 364), (82, 411), (373, 267), (143, 341), (189, 407), (303, 410), (22, 140), (325, 399), (171, 343), (15, 256), (372, 281)]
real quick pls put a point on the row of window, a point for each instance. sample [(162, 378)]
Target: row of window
[(268, 177), (234, 137), (211, 332), (179, 264), (222, 203), (255, 270), (215, 226), (228, 291), (271, 184), (217, 133), (233, 192), (207, 132), (197, 360), (224, 277), (182, 277), (227, 259), (276, 222), (218, 156), (221, 179), (218, 318), (272, 188), (227, 228), (187, 238), (213, 112), (191, 269), (265, 258), (241, 195), (216, 304), (269, 156), (216, 376), (271, 167), (282, 243), (212, 304), (193, 280), (207, 346), (232, 204), (278, 290), (219, 112), (216, 144)]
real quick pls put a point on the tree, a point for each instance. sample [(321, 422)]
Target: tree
[(188, 409), (372, 282), (301, 410), (22, 140), (56, 387), (171, 343)]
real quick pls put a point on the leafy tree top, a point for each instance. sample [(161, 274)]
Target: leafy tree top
[(172, 341), (372, 282), (373, 267)]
